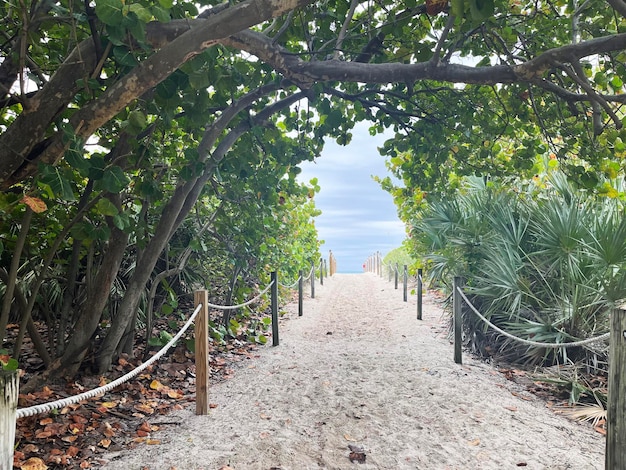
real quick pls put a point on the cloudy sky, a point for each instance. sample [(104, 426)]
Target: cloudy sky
[(358, 217)]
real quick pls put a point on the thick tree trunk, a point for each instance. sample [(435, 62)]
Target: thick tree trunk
[(141, 276), (91, 310)]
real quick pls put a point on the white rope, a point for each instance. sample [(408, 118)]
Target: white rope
[(290, 286), (310, 274), (233, 307), (530, 342), (55, 405)]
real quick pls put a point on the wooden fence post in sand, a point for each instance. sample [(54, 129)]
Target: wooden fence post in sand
[(457, 319), (201, 297), (615, 455), (10, 382)]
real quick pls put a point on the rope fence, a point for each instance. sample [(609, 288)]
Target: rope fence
[(9, 380), (529, 342)]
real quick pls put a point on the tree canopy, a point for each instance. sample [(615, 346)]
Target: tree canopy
[(127, 125)]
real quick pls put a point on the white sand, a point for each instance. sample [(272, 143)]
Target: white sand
[(382, 381)]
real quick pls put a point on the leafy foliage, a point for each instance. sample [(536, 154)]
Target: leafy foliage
[(541, 260)]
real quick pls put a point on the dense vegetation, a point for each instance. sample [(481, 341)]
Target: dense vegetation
[(150, 146)]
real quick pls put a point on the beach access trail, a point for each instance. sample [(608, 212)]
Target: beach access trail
[(359, 376)]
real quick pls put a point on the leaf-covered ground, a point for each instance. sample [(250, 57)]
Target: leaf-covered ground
[(78, 436)]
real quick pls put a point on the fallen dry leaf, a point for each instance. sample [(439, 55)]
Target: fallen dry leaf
[(156, 385), (475, 442), (176, 394), (106, 443), (511, 408), (34, 463)]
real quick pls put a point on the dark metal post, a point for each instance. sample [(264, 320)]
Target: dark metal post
[(300, 293), (457, 319), (419, 293), (274, 290)]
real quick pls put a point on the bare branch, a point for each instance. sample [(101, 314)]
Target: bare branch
[(444, 35), (344, 28)]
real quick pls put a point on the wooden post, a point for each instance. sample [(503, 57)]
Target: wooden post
[(300, 293), (325, 269), (457, 319), (10, 382), (321, 271), (274, 291), (405, 283), (419, 293), (201, 297), (396, 277), (312, 277), (615, 455)]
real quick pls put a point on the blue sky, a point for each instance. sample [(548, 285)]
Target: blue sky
[(358, 217)]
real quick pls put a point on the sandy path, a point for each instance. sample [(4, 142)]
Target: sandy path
[(359, 369)]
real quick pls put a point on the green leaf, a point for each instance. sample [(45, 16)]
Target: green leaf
[(106, 207), (77, 161), (137, 119), (199, 79), (11, 365), (114, 180), (110, 12), (154, 342), (121, 221), (59, 185), (124, 57), (165, 337), (161, 14), (481, 9), (142, 12), (262, 339)]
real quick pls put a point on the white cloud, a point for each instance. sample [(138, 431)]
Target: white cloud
[(358, 217)]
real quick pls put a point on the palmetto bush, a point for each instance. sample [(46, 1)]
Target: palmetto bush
[(545, 264)]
